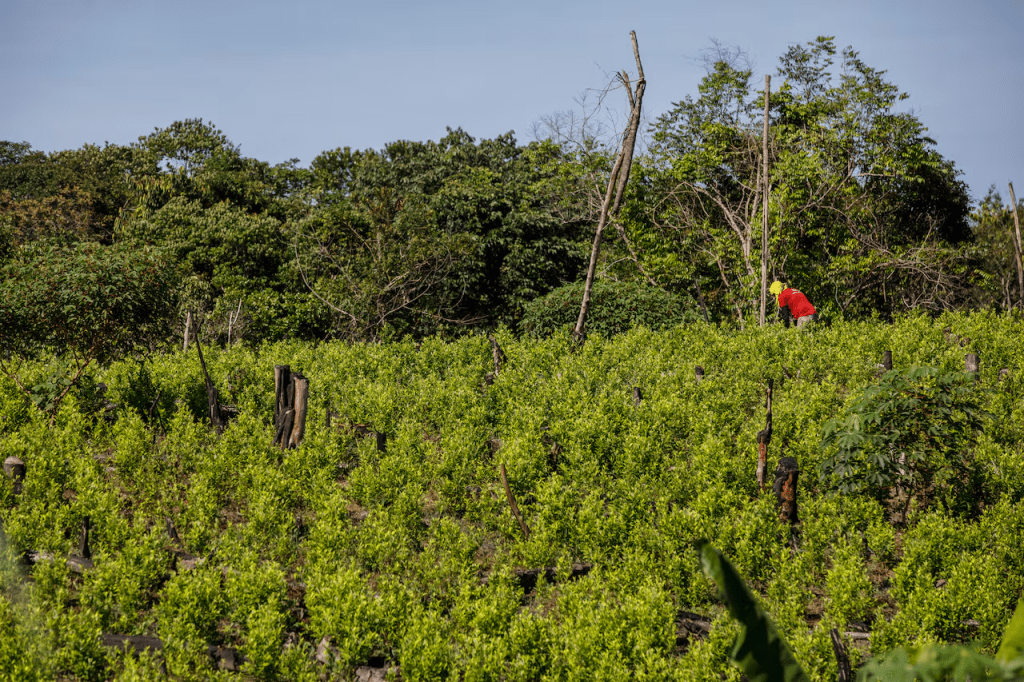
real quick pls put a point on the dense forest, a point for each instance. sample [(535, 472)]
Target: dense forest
[(460, 234), (319, 422)]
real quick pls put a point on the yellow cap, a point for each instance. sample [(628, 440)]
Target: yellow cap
[(776, 288)]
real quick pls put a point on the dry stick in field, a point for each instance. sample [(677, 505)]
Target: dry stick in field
[(842, 659), (764, 438), (512, 504), (1017, 248), (616, 184), (764, 211), (211, 390)]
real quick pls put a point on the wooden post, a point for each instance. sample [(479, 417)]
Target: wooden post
[(512, 503), (764, 211), (211, 390), (698, 372), (300, 397), (1017, 248), (616, 186), (764, 438), (972, 364)]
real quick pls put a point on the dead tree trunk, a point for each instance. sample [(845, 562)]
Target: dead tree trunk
[(764, 211), (188, 329), (211, 390), (1017, 249), (282, 382), (887, 360), (616, 184), (499, 355), (764, 438)]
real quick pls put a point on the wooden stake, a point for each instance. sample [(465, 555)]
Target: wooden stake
[(616, 186), (764, 211), (512, 504), (1017, 248)]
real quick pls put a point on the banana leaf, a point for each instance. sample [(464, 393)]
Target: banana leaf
[(760, 651)]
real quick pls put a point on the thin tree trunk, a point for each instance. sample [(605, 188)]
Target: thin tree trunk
[(616, 185), (764, 211), (1017, 249), (188, 329), (211, 391)]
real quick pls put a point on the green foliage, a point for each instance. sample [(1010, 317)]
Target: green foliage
[(409, 557), (86, 303), (760, 650), (912, 432), (615, 307)]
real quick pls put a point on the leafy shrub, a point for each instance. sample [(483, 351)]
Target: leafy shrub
[(88, 302), (909, 434), (615, 307)]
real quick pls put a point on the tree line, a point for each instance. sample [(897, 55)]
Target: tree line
[(459, 234)]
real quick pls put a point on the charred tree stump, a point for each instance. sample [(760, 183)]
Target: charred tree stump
[(282, 381), (300, 397), (972, 364), (211, 390), (512, 504), (15, 469), (764, 438), (382, 442), (786, 478)]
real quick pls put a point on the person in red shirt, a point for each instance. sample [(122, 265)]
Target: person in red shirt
[(793, 305)]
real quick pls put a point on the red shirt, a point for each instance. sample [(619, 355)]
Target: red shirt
[(797, 302)]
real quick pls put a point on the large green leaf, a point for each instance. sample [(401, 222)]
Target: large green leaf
[(760, 650), (1012, 648)]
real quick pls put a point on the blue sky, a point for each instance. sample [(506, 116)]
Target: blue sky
[(286, 80)]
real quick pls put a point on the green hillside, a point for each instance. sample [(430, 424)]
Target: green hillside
[(403, 553)]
